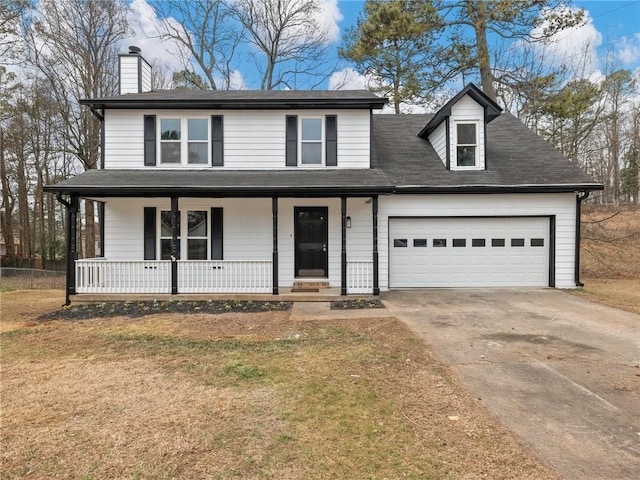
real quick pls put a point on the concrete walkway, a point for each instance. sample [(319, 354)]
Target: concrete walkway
[(559, 371)]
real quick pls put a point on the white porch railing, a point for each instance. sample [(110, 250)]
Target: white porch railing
[(194, 276), (224, 276), (360, 277), (123, 276)]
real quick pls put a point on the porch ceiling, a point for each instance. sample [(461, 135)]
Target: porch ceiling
[(221, 183)]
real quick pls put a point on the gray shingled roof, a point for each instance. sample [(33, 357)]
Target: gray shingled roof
[(241, 99), (294, 182), (516, 158)]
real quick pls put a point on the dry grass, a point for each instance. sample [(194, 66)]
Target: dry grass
[(611, 243), (611, 257), (237, 396), (620, 293)]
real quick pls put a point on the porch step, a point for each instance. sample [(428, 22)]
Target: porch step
[(309, 285)]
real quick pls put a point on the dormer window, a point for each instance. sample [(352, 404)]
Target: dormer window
[(458, 131), (466, 144)]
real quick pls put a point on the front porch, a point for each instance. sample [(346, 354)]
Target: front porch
[(126, 277)]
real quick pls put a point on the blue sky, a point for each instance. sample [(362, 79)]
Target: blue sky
[(611, 38)]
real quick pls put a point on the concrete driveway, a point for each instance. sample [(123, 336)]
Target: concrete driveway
[(561, 372)]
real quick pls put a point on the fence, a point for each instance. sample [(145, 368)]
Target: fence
[(30, 278), (58, 264)]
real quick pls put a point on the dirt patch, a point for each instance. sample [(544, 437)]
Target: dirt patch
[(241, 395)]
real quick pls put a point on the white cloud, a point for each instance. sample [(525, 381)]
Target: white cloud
[(330, 17), (575, 47), (348, 79), (236, 81), (628, 50), (146, 28)]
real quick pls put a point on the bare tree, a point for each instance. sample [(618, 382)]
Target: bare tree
[(289, 40), (74, 47), (208, 33), (11, 14), (7, 88)]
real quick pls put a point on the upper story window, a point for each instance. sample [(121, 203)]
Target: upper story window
[(466, 144), (184, 141), (311, 141)]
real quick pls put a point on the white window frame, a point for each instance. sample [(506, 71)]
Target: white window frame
[(454, 164), (184, 141), (322, 142), (184, 232)]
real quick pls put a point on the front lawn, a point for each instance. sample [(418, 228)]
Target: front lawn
[(236, 395)]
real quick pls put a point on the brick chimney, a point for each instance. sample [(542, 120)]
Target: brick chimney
[(135, 72)]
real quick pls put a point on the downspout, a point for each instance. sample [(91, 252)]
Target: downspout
[(579, 198)]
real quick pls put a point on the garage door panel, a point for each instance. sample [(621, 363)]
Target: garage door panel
[(489, 252)]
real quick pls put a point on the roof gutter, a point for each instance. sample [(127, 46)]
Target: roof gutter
[(233, 104), (487, 189), (104, 191), (99, 116), (579, 198)]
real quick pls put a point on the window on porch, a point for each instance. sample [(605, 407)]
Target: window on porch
[(197, 241)]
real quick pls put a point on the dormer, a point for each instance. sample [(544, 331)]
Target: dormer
[(135, 72), (458, 131)]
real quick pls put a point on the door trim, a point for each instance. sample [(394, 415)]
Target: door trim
[(296, 251)]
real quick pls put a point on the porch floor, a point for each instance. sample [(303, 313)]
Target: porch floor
[(285, 295)]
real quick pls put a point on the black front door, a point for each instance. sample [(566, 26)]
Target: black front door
[(311, 231)]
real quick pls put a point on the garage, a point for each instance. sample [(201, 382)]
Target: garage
[(470, 252)]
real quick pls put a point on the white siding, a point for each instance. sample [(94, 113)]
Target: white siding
[(560, 205), (146, 76), (253, 139), (438, 140), (128, 74), (467, 109), (360, 235)]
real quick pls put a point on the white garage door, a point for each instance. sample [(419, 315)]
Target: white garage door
[(469, 252)]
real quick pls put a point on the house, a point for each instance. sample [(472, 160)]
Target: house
[(253, 191)]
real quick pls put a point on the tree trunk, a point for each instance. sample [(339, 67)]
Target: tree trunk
[(477, 14), (7, 224)]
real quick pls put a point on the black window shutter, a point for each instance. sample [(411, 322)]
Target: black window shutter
[(292, 141), (149, 140), (149, 233), (217, 141), (216, 234), (331, 134)]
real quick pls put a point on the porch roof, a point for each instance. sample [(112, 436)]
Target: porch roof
[(225, 183)]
